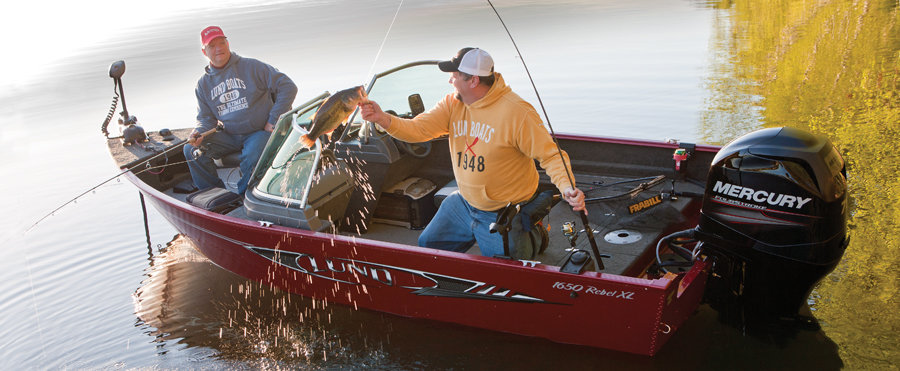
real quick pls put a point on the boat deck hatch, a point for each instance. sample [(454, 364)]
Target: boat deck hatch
[(622, 237)]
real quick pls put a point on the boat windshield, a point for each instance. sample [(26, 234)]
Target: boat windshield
[(284, 171), (394, 90), (284, 168)]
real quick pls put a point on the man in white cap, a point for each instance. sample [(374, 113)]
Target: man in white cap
[(494, 138), (247, 96)]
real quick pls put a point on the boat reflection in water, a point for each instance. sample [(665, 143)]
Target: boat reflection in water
[(185, 299), (188, 303)]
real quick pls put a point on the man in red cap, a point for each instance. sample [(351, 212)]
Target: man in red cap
[(247, 96), (494, 138)]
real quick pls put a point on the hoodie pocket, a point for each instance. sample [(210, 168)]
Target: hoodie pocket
[(478, 196)]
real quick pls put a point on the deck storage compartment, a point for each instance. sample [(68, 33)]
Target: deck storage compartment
[(376, 155), (409, 203)]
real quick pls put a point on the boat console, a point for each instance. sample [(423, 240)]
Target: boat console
[(317, 205), (378, 160), (357, 164)]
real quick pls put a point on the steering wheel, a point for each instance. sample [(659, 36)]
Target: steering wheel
[(417, 150)]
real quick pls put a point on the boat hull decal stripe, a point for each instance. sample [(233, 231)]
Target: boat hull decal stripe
[(442, 286)]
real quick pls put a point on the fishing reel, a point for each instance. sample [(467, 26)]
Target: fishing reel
[(577, 259), (571, 234), (132, 133), (568, 229)]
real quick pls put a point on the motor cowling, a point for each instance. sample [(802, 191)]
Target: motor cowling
[(773, 222)]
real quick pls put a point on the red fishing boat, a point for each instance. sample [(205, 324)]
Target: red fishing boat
[(754, 225)]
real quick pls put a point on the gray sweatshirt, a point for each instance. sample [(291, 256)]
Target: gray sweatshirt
[(244, 95)]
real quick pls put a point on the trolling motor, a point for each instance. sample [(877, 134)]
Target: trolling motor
[(132, 133)]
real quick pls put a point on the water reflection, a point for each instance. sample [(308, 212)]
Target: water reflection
[(832, 68), (186, 300), (188, 305)]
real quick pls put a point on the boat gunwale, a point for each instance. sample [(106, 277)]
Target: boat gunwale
[(674, 297)]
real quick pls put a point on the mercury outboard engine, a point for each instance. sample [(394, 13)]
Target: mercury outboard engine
[(773, 223)]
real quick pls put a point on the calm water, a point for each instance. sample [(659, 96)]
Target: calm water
[(87, 288)]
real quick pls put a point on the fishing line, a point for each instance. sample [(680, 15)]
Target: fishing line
[(583, 213), (37, 314), (107, 181), (384, 41), (146, 228)]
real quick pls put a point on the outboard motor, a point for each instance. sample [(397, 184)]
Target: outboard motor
[(773, 223)]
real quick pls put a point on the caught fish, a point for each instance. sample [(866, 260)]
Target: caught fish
[(333, 111)]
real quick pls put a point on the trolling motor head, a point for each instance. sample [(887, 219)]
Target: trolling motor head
[(132, 133), (117, 69), (774, 223)]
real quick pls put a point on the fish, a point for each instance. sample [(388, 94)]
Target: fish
[(334, 110)]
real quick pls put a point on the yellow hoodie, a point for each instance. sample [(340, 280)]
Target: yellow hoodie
[(493, 145)]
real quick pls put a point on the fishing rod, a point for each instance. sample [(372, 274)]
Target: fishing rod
[(116, 70), (584, 218), (176, 146), (632, 193)]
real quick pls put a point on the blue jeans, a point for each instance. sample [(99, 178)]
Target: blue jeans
[(457, 226), (203, 169)]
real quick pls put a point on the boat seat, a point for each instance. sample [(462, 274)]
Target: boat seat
[(232, 159), (444, 192)]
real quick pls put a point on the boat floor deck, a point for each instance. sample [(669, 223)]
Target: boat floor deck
[(620, 234)]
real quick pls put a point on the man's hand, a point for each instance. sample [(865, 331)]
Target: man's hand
[(575, 198), (269, 127), (195, 139), (372, 112)]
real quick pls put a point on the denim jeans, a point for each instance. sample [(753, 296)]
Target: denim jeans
[(457, 226), (203, 169)]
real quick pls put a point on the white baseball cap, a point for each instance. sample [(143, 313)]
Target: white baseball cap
[(473, 61)]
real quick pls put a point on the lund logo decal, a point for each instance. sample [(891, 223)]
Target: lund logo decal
[(355, 272)]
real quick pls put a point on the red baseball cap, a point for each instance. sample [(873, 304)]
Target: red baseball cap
[(210, 33)]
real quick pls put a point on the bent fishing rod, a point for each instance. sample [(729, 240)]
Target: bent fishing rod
[(147, 161), (583, 213)]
